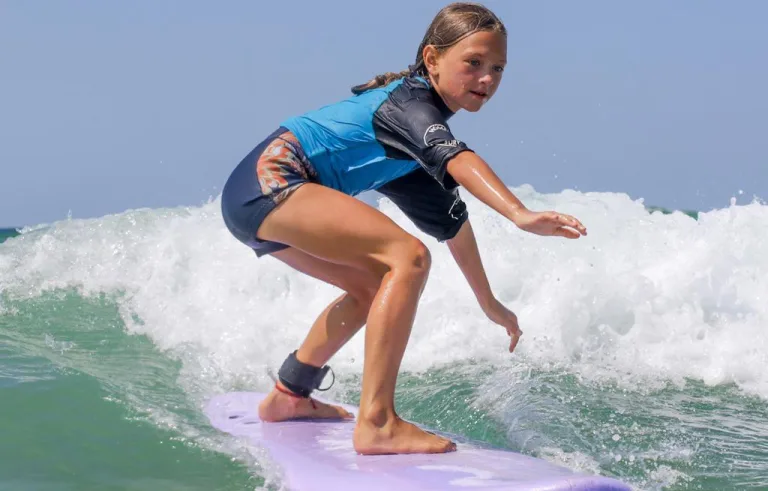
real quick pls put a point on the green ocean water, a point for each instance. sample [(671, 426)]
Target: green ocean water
[(70, 419), (6, 233), (67, 376), (98, 394)]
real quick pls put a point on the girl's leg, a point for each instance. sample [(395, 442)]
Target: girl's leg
[(332, 329), (340, 229)]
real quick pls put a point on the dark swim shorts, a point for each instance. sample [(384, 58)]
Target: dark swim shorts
[(264, 178)]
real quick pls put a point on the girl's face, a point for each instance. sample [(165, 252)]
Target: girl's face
[(468, 73)]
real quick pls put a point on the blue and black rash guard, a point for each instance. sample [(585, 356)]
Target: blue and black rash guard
[(394, 139)]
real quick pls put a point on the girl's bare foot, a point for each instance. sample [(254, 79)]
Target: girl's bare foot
[(397, 436), (278, 406)]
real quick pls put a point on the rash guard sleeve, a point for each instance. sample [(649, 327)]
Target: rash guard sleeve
[(413, 124)]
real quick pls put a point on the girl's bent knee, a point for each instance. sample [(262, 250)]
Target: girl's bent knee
[(413, 257)]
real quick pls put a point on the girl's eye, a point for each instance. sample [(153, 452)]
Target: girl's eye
[(474, 62), (498, 68)]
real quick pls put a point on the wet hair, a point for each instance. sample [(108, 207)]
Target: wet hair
[(453, 23)]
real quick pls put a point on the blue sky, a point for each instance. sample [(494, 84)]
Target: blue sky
[(107, 106)]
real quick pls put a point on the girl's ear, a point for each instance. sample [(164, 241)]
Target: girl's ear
[(431, 56)]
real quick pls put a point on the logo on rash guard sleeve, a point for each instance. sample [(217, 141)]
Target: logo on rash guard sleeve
[(433, 129)]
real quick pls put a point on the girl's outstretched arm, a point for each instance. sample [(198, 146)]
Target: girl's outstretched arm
[(477, 177), (464, 249)]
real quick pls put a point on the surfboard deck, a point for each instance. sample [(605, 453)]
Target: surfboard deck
[(317, 455)]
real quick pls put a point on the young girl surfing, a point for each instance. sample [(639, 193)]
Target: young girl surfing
[(291, 197)]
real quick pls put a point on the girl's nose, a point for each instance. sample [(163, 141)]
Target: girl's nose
[(486, 80)]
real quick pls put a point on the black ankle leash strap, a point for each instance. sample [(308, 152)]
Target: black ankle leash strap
[(302, 378)]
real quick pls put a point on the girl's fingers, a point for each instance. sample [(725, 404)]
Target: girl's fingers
[(515, 335), (573, 222)]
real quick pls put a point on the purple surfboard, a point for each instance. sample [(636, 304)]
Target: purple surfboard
[(318, 455)]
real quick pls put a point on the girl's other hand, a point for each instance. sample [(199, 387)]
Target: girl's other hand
[(507, 319)]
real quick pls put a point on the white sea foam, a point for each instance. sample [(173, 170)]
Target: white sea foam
[(645, 298)]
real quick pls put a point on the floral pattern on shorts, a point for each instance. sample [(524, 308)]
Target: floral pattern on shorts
[(283, 167)]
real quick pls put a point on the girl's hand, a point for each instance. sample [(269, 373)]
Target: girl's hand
[(507, 319), (550, 223)]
